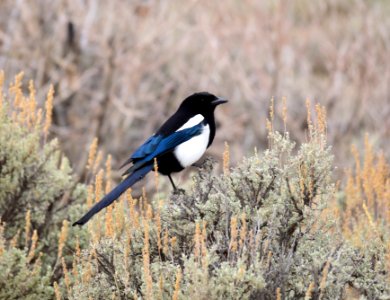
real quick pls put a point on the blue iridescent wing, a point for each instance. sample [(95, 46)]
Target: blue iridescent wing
[(158, 145), (148, 147)]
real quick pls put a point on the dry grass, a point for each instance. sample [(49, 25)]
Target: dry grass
[(120, 68), (366, 210)]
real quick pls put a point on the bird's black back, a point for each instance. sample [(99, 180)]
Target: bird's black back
[(178, 119)]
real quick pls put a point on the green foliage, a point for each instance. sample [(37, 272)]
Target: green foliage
[(20, 277), (35, 177), (259, 231), (266, 232)]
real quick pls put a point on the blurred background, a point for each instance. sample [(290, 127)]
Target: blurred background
[(119, 68)]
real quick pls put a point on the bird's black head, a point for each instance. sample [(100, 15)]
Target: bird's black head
[(201, 103)]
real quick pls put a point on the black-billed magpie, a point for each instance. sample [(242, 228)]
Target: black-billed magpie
[(180, 142)]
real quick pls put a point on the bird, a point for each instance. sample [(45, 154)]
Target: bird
[(179, 143)]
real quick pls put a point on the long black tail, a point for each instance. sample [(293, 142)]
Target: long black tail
[(115, 193)]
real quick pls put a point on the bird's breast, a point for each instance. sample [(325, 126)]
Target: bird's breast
[(192, 150)]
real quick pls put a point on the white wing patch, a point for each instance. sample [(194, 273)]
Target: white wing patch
[(195, 120), (189, 152)]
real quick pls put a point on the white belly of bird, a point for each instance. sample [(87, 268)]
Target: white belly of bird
[(191, 151)]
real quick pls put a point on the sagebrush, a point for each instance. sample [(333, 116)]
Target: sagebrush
[(276, 226)]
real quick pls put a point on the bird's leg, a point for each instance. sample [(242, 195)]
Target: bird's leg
[(173, 184), (176, 191)]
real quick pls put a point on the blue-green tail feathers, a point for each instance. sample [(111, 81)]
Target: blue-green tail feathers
[(115, 193)]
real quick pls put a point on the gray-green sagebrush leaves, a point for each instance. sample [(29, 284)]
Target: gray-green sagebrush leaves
[(264, 231), (19, 279), (285, 246), (35, 177)]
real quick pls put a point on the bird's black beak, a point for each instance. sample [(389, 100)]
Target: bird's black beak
[(218, 101)]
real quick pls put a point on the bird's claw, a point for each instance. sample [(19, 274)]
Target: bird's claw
[(179, 192)]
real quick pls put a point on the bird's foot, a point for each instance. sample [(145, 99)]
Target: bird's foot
[(179, 192)]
